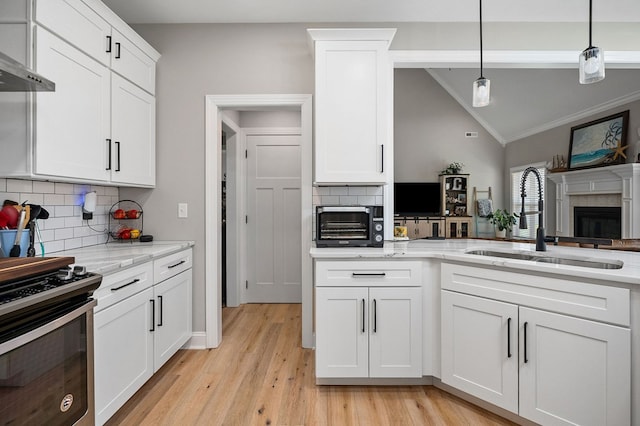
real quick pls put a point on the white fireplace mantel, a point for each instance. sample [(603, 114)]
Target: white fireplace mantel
[(623, 179)]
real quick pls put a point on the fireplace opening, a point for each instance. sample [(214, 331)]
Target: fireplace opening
[(597, 222)]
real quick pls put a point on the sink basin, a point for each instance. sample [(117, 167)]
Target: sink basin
[(579, 262), (507, 255), (614, 264)]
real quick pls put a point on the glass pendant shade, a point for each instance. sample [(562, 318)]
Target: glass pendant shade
[(481, 92), (591, 65)]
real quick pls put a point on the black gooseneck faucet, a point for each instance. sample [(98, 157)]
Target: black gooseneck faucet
[(540, 244)]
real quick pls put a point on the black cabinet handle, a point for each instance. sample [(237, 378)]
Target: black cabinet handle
[(375, 315), (368, 274), (108, 44), (109, 162), (525, 343), (117, 50), (125, 285), (382, 164), (117, 156), (508, 337), (153, 315), (177, 264), (363, 315), (160, 301)]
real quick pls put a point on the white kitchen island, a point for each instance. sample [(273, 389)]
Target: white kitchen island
[(531, 341)]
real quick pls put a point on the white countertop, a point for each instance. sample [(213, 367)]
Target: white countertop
[(107, 258), (455, 250)]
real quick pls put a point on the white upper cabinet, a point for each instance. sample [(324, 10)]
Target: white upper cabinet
[(78, 24), (353, 105), (133, 134), (131, 62)]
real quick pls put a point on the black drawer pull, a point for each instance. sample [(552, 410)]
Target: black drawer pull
[(125, 285), (368, 274), (118, 156), (363, 318), (525, 343), (109, 145), (375, 315), (117, 50), (509, 338), (108, 44), (160, 300), (177, 264), (153, 315)]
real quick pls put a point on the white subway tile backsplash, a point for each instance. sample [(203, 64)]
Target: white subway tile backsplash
[(367, 200), (43, 187), (348, 200), (339, 190), (53, 199), (357, 190), (328, 200), (379, 200), (375, 190), (64, 233), (64, 229), (19, 185)]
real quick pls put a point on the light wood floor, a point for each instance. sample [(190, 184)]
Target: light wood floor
[(260, 375)]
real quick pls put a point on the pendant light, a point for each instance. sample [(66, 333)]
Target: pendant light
[(591, 59), (482, 86)]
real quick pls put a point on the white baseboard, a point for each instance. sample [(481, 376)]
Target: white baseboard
[(198, 341)]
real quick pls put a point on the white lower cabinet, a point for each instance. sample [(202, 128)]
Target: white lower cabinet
[(550, 368), (143, 317), (123, 352), (368, 332)]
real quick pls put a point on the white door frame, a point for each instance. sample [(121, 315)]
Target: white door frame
[(214, 104)]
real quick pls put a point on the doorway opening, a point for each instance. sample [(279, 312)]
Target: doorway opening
[(216, 106)]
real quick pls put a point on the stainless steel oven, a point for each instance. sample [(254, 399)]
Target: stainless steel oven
[(349, 226), (46, 348)]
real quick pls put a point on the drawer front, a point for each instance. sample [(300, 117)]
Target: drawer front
[(368, 273), (120, 285), (586, 300), (167, 267)]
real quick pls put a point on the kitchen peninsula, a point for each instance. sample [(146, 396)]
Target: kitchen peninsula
[(500, 324)]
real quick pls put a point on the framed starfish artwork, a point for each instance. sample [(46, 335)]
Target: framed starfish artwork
[(601, 142)]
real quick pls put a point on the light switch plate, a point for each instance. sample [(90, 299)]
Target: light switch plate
[(182, 210)]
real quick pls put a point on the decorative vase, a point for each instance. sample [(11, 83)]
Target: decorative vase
[(501, 233)]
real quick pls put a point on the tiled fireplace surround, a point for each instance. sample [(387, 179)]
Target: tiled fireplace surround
[(611, 186)]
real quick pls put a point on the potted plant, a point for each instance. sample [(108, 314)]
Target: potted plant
[(503, 221), (453, 169)]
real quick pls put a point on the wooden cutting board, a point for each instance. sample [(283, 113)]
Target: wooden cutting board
[(12, 268)]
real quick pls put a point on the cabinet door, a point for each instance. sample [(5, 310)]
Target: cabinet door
[(573, 371), (123, 352), (352, 111), (133, 134), (78, 24), (395, 332), (479, 348), (72, 123), (131, 62), (342, 332), (172, 316)]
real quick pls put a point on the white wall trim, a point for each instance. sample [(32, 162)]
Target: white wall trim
[(198, 341), (213, 122)]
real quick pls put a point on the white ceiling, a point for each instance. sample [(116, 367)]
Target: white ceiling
[(234, 11), (524, 101)]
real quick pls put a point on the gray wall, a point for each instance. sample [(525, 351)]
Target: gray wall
[(429, 128), (215, 59)]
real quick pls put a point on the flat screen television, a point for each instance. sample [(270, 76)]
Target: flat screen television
[(417, 198)]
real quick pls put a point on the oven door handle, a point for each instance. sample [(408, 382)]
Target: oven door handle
[(46, 328)]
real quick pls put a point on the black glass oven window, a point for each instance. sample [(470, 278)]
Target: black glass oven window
[(39, 378), (597, 222), (344, 226)]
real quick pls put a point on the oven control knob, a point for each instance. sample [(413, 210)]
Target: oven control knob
[(378, 227), (378, 238), (65, 274), (79, 271)]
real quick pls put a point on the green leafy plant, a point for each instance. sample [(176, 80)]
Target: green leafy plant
[(503, 219), (453, 169)]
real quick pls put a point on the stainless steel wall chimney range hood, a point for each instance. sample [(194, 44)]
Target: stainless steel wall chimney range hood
[(15, 77)]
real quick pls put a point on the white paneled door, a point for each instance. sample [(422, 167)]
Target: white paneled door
[(274, 225)]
